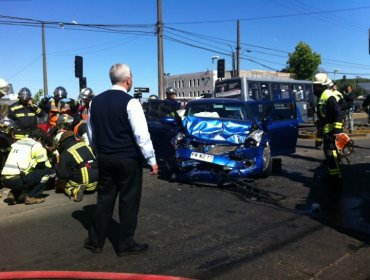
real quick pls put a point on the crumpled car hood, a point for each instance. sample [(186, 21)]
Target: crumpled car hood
[(217, 131)]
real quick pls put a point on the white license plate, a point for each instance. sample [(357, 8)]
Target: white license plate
[(202, 157)]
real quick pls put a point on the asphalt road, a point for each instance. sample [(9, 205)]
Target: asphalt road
[(264, 230)]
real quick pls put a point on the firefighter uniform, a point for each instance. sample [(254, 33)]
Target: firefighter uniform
[(55, 108), (331, 118), (77, 165), (27, 168), (25, 118)]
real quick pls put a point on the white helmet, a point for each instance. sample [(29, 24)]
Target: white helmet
[(322, 79), (4, 87)]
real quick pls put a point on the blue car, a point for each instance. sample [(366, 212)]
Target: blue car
[(221, 140)]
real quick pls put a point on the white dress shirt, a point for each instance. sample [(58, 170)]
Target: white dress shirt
[(139, 128)]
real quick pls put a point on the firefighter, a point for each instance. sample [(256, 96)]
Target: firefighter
[(24, 113), (80, 124), (4, 88), (57, 105), (7, 127), (171, 94), (77, 166), (27, 169), (330, 116)]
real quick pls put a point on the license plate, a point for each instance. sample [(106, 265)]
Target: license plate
[(202, 157)]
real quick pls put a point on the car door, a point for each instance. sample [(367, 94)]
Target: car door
[(162, 126), (279, 119)]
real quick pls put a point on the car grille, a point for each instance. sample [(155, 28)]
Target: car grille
[(214, 149)]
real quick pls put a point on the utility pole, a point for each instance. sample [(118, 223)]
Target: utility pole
[(238, 49), (160, 50), (45, 75)]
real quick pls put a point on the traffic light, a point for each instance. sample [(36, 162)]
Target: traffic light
[(221, 68), (78, 66)]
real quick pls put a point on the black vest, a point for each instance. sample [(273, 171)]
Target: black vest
[(111, 127)]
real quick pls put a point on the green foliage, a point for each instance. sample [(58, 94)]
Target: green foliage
[(38, 96), (303, 62)]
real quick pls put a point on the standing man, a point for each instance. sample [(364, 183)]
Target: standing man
[(24, 113), (330, 117), (119, 134), (348, 107), (171, 94)]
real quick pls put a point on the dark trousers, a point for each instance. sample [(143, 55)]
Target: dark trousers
[(118, 176), (332, 156), (34, 182)]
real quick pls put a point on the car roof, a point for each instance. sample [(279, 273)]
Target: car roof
[(216, 100)]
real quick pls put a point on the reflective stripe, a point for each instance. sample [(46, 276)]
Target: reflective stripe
[(19, 115), (20, 136), (16, 107), (330, 127), (335, 171), (85, 175)]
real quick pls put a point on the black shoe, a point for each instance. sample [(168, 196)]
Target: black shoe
[(11, 199), (134, 248), (91, 247)]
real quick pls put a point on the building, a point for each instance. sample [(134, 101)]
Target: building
[(195, 85)]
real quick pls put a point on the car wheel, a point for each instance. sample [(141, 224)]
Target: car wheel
[(268, 171)]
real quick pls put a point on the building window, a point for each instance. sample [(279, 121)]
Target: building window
[(183, 83), (190, 83), (198, 82)]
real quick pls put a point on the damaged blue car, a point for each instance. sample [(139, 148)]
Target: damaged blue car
[(220, 140)]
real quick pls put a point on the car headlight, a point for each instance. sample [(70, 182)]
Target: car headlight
[(178, 139), (254, 139)]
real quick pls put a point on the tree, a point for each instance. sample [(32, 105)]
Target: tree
[(303, 62), (39, 95)]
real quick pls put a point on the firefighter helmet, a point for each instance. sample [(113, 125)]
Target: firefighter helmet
[(65, 136), (171, 91), (87, 93), (153, 97), (60, 93), (322, 79), (24, 94), (65, 122), (7, 125)]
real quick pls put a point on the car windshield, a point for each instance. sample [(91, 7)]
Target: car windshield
[(235, 111)]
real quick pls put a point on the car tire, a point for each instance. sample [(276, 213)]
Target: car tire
[(268, 171)]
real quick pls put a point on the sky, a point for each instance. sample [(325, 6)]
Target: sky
[(122, 31)]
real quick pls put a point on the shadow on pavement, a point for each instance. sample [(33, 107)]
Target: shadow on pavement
[(85, 217)]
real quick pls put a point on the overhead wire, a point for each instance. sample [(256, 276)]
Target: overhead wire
[(202, 41)]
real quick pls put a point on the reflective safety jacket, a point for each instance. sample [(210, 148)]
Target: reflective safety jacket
[(54, 109), (25, 118), (329, 112), (24, 155), (77, 164)]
